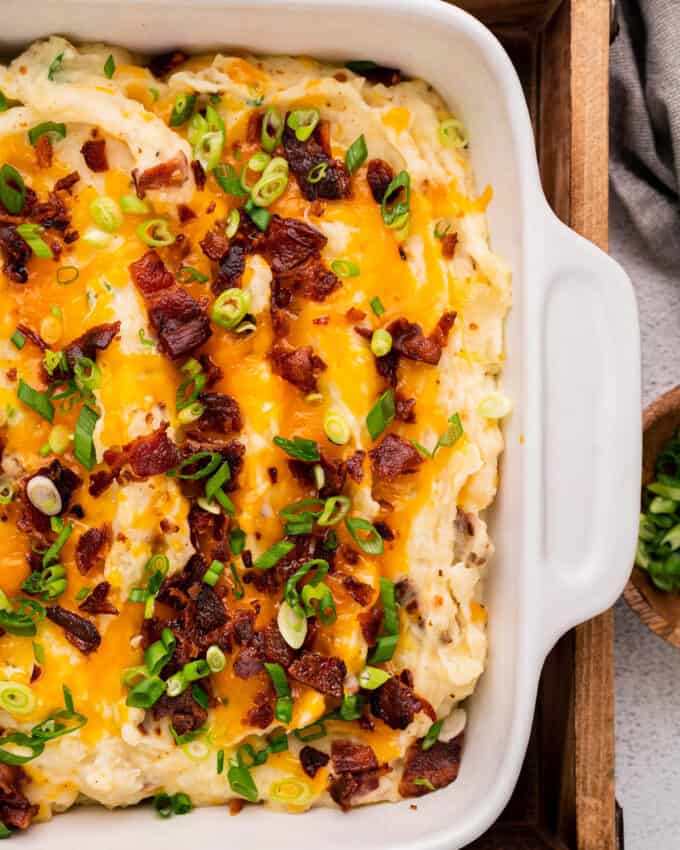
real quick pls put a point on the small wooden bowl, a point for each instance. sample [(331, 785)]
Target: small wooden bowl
[(658, 610)]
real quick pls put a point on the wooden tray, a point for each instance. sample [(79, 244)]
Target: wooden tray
[(565, 796)]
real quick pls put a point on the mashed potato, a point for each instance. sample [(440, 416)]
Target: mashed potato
[(399, 429)]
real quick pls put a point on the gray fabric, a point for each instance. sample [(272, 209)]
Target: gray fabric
[(645, 238)]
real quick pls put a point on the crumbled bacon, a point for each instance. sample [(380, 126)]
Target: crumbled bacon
[(248, 662), (170, 174), (165, 63), (404, 408), (370, 622), (383, 530), (312, 760), (275, 648), (311, 279), (394, 456), (409, 341), (261, 714), (97, 338), (357, 769), (16, 811), (349, 757), (222, 413), (67, 183), (94, 154), (232, 267), (439, 765), (209, 610), (345, 787), (298, 366), (174, 590), (97, 601), (185, 213), (199, 174), (324, 674), (15, 252), (89, 549), (185, 714), (449, 242), (335, 474), (396, 704), (289, 242), (44, 151), (51, 213), (379, 175), (355, 466), (100, 481), (360, 592), (354, 315), (440, 334), (211, 370), (150, 274), (215, 244), (33, 336), (79, 631), (150, 454), (304, 156)]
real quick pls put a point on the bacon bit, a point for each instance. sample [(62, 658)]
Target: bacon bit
[(409, 341), (33, 336), (396, 704), (100, 481), (164, 63), (273, 474), (355, 466), (151, 454), (236, 806), (370, 622), (312, 760), (379, 175), (248, 662), (51, 213), (15, 252), (80, 632), (15, 810), (94, 154), (311, 279), (449, 242), (222, 413), (404, 408), (324, 674), (170, 174), (349, 757), (321, 320), (43, 151), (67, 183), (384, 530), (36, 673), (394, 456), (303, 156), (358, 771), (275, 648), (211, 370), (440, 334), (185, 213), (254, 128), (232, 267), (71, 236), (199, 174), (344, 788), (335, 474), (97, 603), (89, 548), (261, 714), (360, 592), (97, 338), (209, 611), (186, 715), (353, 315), (439, 765), (289, 242), (215, 244), (298, 366), (150, 275)]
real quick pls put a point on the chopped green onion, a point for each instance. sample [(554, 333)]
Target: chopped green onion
[(345, 268), (6, 491), (356, 155), (299, 448), (394, 207), (59, 439), (495, 406), (213, 573), (37, 401), (303, 122), (16, 699), (83, 593), (106, 214), (453, 433), (58, 130), (336, 429), (317, 172), (373, 543), (335, 509), (272, 129), (184, 400), (43, 495), (208, 136), (424, 782), (18, 621), (109, 67), (228, 179), (320, 593), (432, 735), (97, 239), (272, 184), (146, 693), (67, 274), (187, 274), (144, 339), (259, 216), (155, 232), (83, 443), (39, 653), (230, 307), (312, 732), (12, 189), (55, 66), (273, 555), (216, 481), (183, 109), (132, 205), (30, 233), (453, 134), (237, 541), (441, 228), (372, 678), (4, 105), (18, 340), (258, 162), (233, 221), (241, 782), (160, 652), (213, 461), (154, 93), (181, 803), (384, 649), (381, 342), (291, 790), (377, 306), (200, 697), (216, 658), (381, 414), (220, 761), (290, 592), (64, 532), (283, 709), (190, 414), (87, 374), (292, 625)]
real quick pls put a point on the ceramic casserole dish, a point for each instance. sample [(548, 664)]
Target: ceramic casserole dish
[(565, 520)]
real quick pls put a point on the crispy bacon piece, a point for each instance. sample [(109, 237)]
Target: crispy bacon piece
[(44, 151), (404, 408), (150, 274), (335, 474), (360, 592), (440, 334), (311, 279), (323, 673), (16, 811), (15, 252), (89, 549), (357, 769), (409, 341), (51, 213), (95, 339), (174, 590), (249, 662), (79, 631), (379, 74), (100, 481), (151, 454), (349, 757), (232, 267), (67, 183), (211, 370), (394, 456), (289, 242), (379, 175), (355, 466), (370, 622), (312, 760), (165, 63), (185, 213), (304, 156), (210, 613), (275, 648), (170, 174), (97, 601), (94, 154), (449, 242), (199, 174), (298, 366), (33, 336), (222, 413), (215, 244), (261, 714), (396, 704), (185, 714), (439, 765)]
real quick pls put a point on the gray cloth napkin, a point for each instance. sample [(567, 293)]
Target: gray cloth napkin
[(645, 176)]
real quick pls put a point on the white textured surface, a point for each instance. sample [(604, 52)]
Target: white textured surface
[(647, 668)]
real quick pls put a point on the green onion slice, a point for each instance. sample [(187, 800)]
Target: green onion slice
[(241, 782), (106, 214), (299, 448), (371, 678), (258, 215), (377, 306), (290, 592), (187, 274), (213, 573), (18, 340), (432, 735), (132, 205), (303, 122), (273, 555), (356, 155), (155, 232), (381, 342), (36, 400), (160, 652), (317, 172), (370, 540), (396, 201), (146, 693), (233, 221), (452, 133), (55, 66), (336, 428), (345, 268), (272, 129), (12, 189), (183, 109), (67, 274), (213, 460), (87, 374), (109, 66), (228, 179), (55, 129), (83, 443), (381, 414), (16, 699), (325, 608), (30, 233), (230, 307)]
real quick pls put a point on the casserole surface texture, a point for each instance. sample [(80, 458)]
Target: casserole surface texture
[(126, 373)]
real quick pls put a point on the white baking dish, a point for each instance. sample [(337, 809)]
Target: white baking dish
[(565, 521)]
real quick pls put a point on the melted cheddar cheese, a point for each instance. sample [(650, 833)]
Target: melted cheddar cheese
[(437, 549)]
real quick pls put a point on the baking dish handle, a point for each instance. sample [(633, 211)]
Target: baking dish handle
[(591, 458)]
